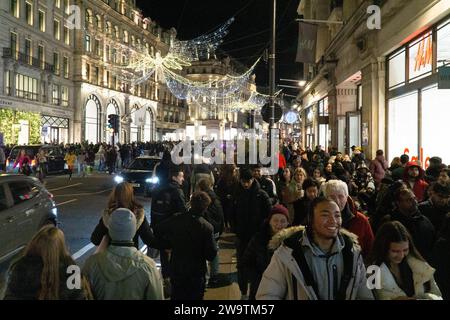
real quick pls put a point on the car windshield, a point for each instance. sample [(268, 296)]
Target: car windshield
[(30, 151), (53, 152), (143, 164)]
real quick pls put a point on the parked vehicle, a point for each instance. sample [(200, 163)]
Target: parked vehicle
[(25, 206), (55, 157)]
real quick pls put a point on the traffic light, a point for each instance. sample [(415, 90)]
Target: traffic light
[(113, 122)]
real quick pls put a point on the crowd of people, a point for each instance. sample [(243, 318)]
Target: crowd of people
[(307, 233)]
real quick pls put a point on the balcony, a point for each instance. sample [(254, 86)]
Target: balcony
[(25, 59)]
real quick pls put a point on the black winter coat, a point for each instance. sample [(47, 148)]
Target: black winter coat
[(251, 208), (434, 214), (421, 230), (190, 237), (441, 261), (257, 257), (25, 281), (226, 193), (269, 187), (301, 208), (214, 213), (167, 201)]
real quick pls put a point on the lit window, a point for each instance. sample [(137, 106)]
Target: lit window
[(29, 13), (66, 35), (15, 10), (41, 21), (57, 29)]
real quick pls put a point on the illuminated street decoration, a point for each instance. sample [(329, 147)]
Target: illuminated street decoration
[(141, 66), (202, 46), (182, 87)]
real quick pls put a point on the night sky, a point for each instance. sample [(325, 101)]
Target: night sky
[(249, 34)]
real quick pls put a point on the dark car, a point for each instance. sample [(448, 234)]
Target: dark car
[(140, 174), (25, 206), (55, 157)]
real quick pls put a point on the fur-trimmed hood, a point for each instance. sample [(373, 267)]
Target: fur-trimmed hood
[(279, 238), (139, 213)]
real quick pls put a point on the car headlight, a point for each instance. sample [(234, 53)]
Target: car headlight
[(152, 180), (118, 179)]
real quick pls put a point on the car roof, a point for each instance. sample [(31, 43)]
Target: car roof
[(16, 177), (36, 146)]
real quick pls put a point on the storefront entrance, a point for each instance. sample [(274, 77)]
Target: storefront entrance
[(55, 130)]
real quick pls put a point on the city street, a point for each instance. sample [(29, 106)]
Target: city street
[(80, 204), (270, 134)]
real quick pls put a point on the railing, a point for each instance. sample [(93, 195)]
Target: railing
[(27, 59), (27, 95)]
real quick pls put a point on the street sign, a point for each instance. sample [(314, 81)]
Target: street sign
[(266, 112), (291, 117), (444, 78)]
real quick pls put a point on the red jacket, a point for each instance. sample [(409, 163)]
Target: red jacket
[(281, 161), (420, 186), (360, 226)]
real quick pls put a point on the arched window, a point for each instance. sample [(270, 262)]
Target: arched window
[(88, 17), (98, 22), (134, 130), (148, 127), (125, 36), (91, 119), (108, 27), (133, 40), (116, 32)]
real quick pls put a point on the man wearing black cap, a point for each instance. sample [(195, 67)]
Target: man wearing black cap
[(437, 206)]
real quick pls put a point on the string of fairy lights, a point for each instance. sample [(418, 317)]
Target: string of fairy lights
[(228, 92)]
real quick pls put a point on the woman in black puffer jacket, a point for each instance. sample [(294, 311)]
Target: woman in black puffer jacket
[(258, 254)]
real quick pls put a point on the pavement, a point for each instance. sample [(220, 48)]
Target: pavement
[(227, 272)]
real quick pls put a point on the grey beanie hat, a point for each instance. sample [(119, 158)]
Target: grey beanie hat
[(122, 225)]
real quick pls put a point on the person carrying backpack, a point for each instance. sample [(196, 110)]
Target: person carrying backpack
[(320, 262)]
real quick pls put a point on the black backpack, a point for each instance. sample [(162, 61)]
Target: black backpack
[(214, 215), (161, 205)]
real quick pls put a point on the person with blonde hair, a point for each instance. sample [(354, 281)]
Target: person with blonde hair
[(122, 196), (294, 191), (41, 273)]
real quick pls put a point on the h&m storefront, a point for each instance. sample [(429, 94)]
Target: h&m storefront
[(418, 112)]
